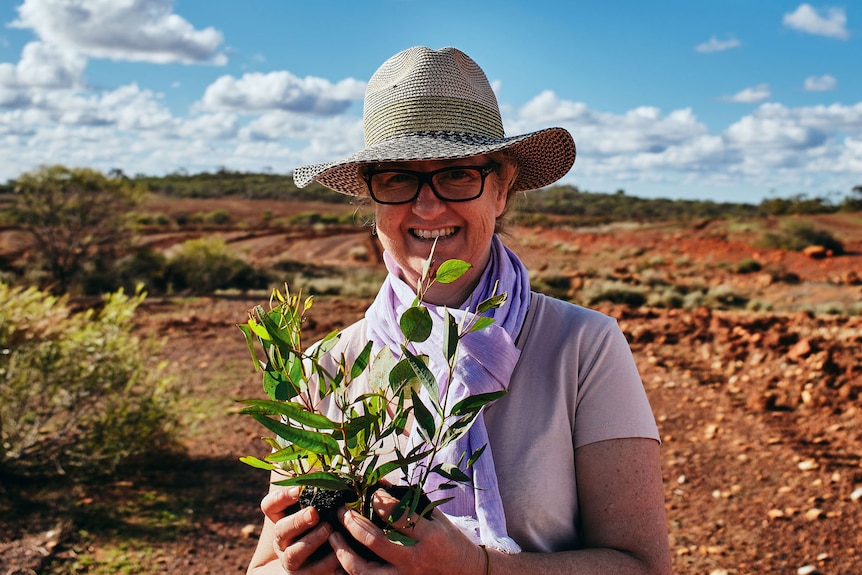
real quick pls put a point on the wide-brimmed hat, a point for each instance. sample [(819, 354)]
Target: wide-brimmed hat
[(424, 104)]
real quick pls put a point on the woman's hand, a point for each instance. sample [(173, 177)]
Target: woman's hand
[(294, 537), (441, 548)]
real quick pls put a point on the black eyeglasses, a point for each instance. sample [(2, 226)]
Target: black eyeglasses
[(452, 184)]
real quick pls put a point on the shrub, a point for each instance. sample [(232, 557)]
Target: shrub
[(748, 265), (206, 265), (80, 393), (796, 235), (217, 218), (614, 292)]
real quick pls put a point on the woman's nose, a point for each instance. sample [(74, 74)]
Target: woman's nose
[(427, 204)]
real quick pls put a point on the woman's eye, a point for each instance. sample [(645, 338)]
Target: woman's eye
[(457, 175)]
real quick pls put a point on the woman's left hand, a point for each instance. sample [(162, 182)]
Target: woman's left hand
[(441, 547)]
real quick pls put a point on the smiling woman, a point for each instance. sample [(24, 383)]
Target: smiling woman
[(569, 480)]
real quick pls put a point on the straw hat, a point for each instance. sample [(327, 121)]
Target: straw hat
[(425, 104)]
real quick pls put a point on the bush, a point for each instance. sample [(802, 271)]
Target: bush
[(796, 235), (80, 393), (206, 265), (217, 218), (614, 292), (747, 266)]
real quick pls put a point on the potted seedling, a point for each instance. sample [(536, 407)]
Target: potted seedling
[(343, 460)]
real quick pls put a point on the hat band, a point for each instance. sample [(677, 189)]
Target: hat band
[(428, 114)]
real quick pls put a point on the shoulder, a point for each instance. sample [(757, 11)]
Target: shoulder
[(549, 315)]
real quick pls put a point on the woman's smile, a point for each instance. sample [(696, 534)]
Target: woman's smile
[(438, 234)]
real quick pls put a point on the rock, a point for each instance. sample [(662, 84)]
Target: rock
[(816, 252), (800, 350)]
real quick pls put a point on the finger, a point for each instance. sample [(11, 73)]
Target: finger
[(295, 525), (385, 505), (369, 535), (349, 560), (296, 555), (276, 502)]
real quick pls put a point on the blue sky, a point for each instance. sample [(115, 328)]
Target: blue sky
[(730, 100)]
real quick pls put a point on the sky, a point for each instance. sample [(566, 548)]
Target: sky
[(726, 100)]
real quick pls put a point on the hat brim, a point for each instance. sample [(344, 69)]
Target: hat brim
[(543, 158)]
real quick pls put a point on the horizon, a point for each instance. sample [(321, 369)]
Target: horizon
[(729, 101)]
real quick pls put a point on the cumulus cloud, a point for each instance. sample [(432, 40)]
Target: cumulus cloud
[(822, 83), (716, 45), (135, 30), (750, 95), (806, 19), (257, 92)]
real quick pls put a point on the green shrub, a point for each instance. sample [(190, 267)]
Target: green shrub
[(206, 265), (614, 292), (723, 297), (80, 393), (748, 265), (217, 218), (796, 235)]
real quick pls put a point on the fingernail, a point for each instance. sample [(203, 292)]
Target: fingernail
[(294, 491)]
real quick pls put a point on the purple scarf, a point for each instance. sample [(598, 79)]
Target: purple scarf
[(485, 361)]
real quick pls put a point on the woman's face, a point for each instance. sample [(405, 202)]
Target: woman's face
[(463, 229)]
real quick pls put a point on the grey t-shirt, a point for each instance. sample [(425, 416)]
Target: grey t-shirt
[(575, 383)]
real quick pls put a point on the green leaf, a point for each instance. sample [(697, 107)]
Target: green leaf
[(317, 443), (327, 343), (292, 411), (400, 462), (476, 402), (429, 382), (276, 386), (378, 376), (321, 479), (416, 323), (481, 323), (258, 463), (475, 456), (289, 453), (458, 429), (361, 361), (397, 537), (492, 302), (451, 270), (402, 375), (450, 337), (283, 337), (423, 415), (451, 471), (249, 340)]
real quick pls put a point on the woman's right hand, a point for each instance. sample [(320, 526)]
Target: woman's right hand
[(289, 538)]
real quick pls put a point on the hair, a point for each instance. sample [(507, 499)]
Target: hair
[(506, 173)]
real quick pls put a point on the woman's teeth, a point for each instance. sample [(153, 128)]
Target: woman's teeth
[(432, 234)]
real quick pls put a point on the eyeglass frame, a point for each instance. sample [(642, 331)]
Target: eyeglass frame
[(426, 178)]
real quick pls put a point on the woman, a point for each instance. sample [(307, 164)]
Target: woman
[(570, 481)]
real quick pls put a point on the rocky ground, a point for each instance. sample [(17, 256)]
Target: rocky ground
[(759, 411)]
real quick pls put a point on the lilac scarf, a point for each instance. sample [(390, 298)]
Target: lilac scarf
[(485, 361)]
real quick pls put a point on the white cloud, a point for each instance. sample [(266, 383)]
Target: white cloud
[(49, 66), (716, 45), (257, 92), (822, 83), (136, 30), (806, 19), (749, 95)]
